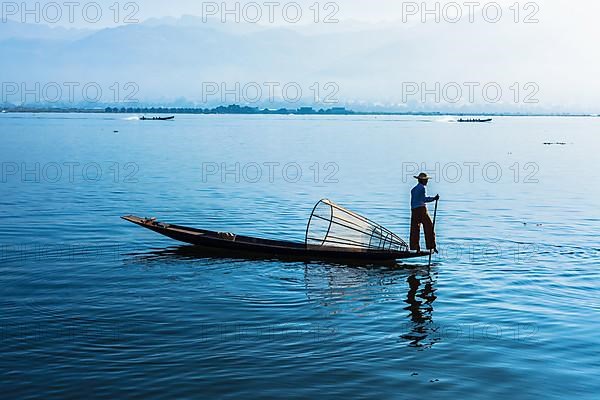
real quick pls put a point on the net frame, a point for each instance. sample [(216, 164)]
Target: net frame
[(370, 236)]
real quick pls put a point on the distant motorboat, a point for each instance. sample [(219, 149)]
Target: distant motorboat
[(475, 120), (157, 118)]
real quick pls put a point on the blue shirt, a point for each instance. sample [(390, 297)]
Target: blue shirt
[(418, 197)]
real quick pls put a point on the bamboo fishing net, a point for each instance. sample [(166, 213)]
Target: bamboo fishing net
[(331, 225)]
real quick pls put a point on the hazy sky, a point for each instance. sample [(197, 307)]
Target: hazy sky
[(573, 13), (577, 21), (552, 43)]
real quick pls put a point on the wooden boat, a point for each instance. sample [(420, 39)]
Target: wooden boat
[(332, 233), (157, 118), (475, 120)]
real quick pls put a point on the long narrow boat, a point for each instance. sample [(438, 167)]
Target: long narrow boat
[(157, 118), (333, 232), (475, 120)]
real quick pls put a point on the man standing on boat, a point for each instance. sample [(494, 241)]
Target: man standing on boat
[(419, 215)]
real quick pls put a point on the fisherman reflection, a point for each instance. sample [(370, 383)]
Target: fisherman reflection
[(420, 298)]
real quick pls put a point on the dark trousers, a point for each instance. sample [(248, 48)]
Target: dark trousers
[(421, 216)]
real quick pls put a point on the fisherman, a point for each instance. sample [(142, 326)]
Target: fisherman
[(419, 215)]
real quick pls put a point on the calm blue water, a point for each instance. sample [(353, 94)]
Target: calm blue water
[(94, 306)]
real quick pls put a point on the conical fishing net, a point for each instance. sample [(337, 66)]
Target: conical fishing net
[(331, 225)]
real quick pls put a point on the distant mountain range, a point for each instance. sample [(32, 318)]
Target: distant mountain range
[(173, 61)]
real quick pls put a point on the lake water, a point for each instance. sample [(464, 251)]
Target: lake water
[(94, 306)]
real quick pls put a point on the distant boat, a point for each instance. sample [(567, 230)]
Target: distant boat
[(157, 118), (475, 120)]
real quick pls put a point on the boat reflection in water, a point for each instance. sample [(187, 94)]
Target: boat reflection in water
[(350, 297)]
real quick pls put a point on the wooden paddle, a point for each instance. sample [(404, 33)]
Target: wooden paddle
[(434, 217)]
